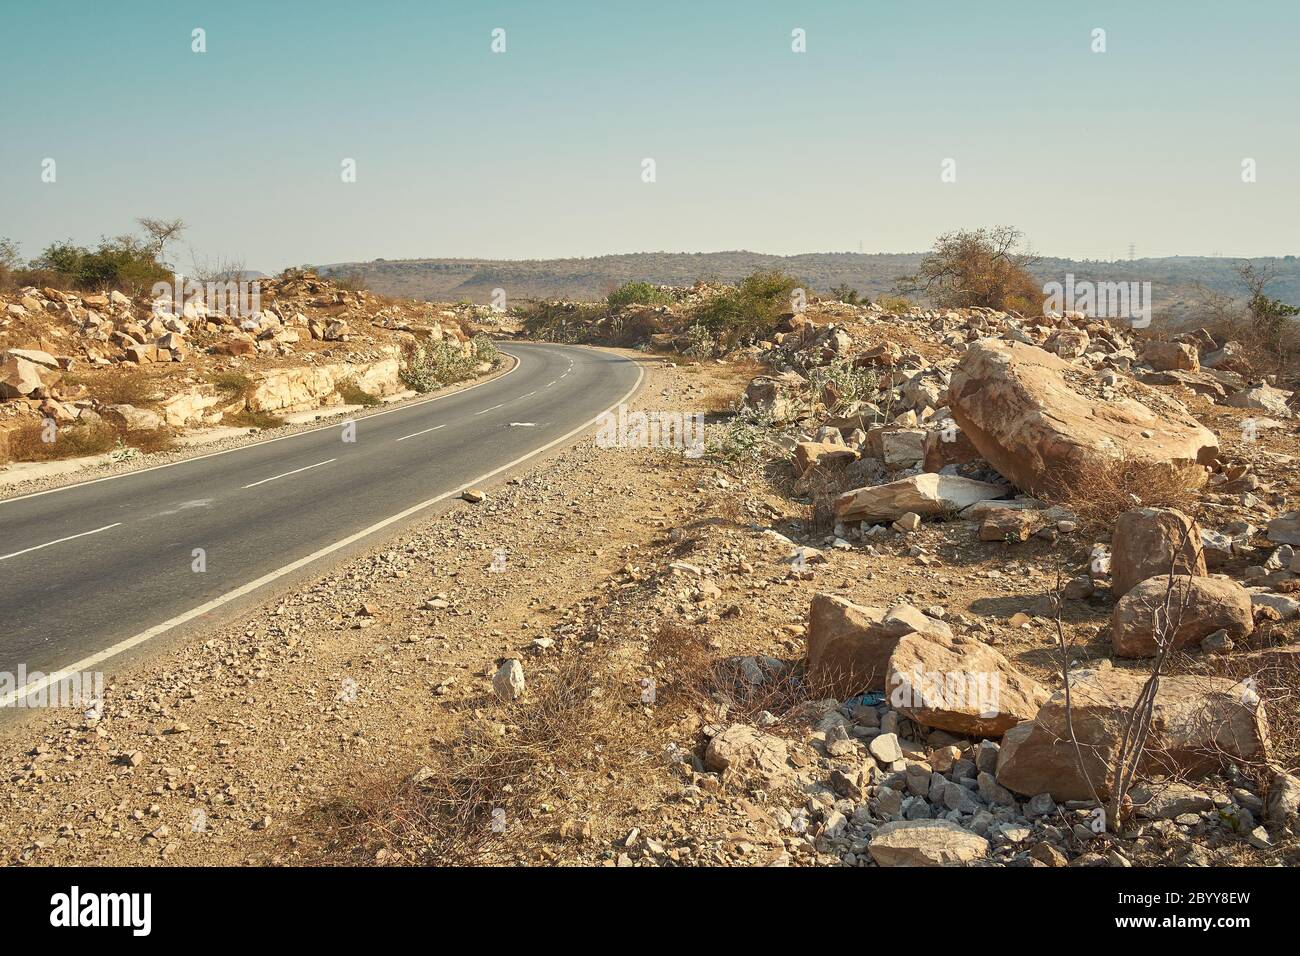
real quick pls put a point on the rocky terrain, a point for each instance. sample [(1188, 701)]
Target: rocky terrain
[(842, 636), (106, 368)]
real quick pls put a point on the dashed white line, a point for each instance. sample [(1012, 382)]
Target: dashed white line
[(492, 409), (425, 432), (288, 473), (86, 663), (550, 383), (6, 557)]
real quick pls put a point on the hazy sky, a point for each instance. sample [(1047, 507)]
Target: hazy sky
[(537, 152)]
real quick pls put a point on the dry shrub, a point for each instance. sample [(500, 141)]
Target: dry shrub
[(1098, 491), (724, 689), (76, 441), (1276, 676), (568, 734), (149, 440)]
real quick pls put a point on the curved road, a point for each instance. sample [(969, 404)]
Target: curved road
[(91, 571)]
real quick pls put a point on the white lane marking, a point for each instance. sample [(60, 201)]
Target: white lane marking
[(565, 375), (492, 409), (288, 473), (86, 663), (550, 383), (530, 394), (425, 432), (264, 442), (6, 557), (523, 424)]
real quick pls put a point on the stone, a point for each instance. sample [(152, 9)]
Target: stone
[(473, 496), (1144, 544), (1283, 805), (810, 455), (885, 748), (959, 685), (1048, 855), (907, 523), (1198, 607), (748, 752), (1264, 398), (1165, 801), (508, 682), (132, 418), (1025, 411), (849, 645), (19, 377), (1010, 524), (925, 843), (1217, 643), (1167, 356), (902, 448), (1198, 725), (1285, 529), (993, 792), (926, 494)]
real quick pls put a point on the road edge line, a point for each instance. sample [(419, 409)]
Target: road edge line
[(35, 687)]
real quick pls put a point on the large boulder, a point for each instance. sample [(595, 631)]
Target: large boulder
[(20, 377), (1147, 541), (960, 685), (849, 645), (1197, 608), (924, 494), (1167, 356), (810, 455), (1037, 419), (925, 843), (1262, 397), (1198, 724)]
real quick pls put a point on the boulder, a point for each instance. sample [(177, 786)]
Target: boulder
[(1037, 419), (1168, 356), (131, 418), (19, 377), (771, 395), (959, 685), (508, 682), (849, 645), (746, 751), (925, 843), (1198, 607), (1198, 725), (925, 494), (1144, 544), (809, 455), (1230, 358), (1263, 397), (1010, 524)]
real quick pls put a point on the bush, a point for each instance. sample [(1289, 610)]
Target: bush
[(639, 293), (353, 394), (740, 315), (842, 383), (1099, 491), (566, 322), (978, 267), (485, 350), (430, 365), (123, 263)]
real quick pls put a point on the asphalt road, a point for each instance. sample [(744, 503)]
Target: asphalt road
[(92, 571)]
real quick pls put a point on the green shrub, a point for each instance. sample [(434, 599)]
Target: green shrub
[(485, 350), (849, 384), (743, 314), (639, 293), (353, 394), (431, 365), (121, 263)]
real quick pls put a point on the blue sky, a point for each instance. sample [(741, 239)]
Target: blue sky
[(537, 152)]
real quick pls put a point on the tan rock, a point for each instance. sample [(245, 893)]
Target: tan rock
[(748, 752), (1198, 724), (1144, 544), (1032, 417), (20, 378), (925, 494), (809, 455), (849, 645), (1168, 356), (1010, 524), (960, 685), (925, 843), (1198, 606)]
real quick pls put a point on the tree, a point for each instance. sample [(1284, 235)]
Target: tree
[(977, 267), (160, 232), (9, 260), (1269, 317)]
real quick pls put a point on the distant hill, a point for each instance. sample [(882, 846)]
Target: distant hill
[(1174, 279)]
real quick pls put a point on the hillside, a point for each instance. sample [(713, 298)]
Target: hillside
[(1174, 279)]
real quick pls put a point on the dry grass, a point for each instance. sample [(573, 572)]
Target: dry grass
[(247, 418), (149, 440), (694, 679), (477, 799), (28, 443), (354, 394), (1098, 491), (130, 389)]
